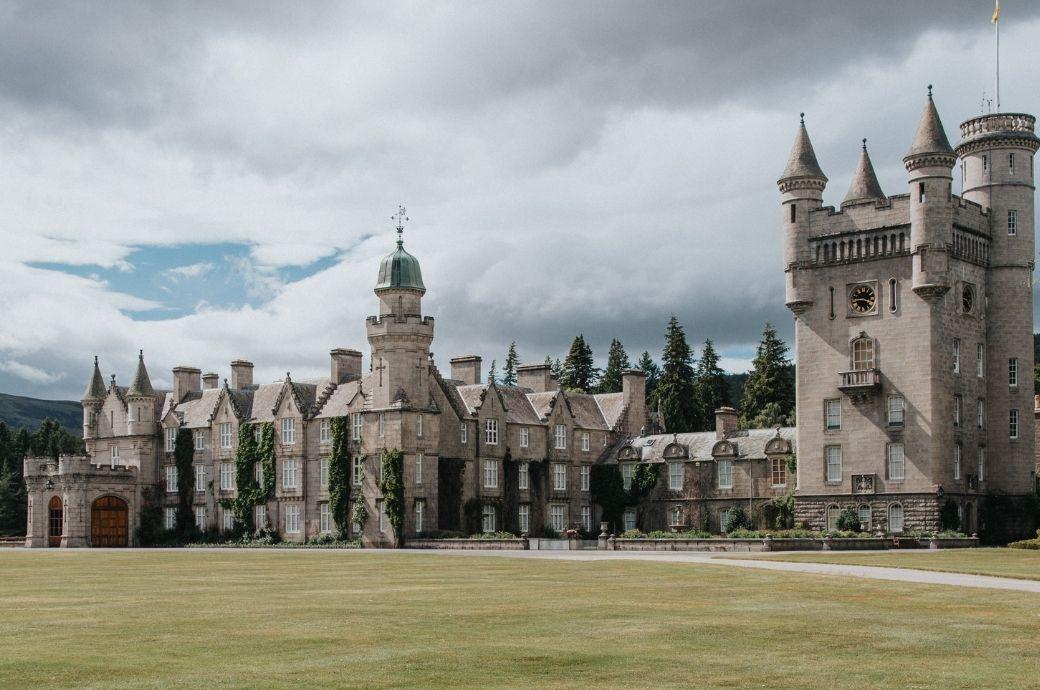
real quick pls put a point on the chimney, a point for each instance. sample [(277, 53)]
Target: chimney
[(725, 422), (537, 377), (346, 365), (633, 396), (209, 381), (186, 380), (466, 369), (241, 374)]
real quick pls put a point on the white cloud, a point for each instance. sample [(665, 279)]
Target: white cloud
[(30, 373), (189, 271)]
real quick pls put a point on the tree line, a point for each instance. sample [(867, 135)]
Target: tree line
[(686, 389)]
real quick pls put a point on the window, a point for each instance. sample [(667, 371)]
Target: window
[(357, 426), (559, 476), (1012, 222), (418, 468), (559, 437), (675, 476), (557, 518), (980, 360), (1011, 165), (778, 471), (980, 413), (225, 434), (675, 516), (523, 476), (491, 432), (258, 473), (289, 473), (832, 414), (260, 517), (292, 519), (289, 431), (896, 462), (488, 519), (832, 518), (794, 213), (258, 433), (381, 509), (463, 433), (1013, 372), (626, 475), (525, 437), (1013, 424), (957, 410), (892, 303), (201, 519), (490, 476), (323, 473), (114, 456), (585, 470), (418, 426), (863, 354), (169, 518), (956, 355), (863, 513), (920, 192), (324, 518), (227, 519), (725, 469), (833, 454), (630, 519), (585, 441), (200, 479), (358, 471), (523, 515), (586, 518), (171, 440), (982, 464), (382, 425), (227, 476), (171, 479), (200, 440), (323, 431), (895, 518), (724, 518), (957, 461), (895, 410)]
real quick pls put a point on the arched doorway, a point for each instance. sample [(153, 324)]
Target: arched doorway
[(55, 521), (108, 522)]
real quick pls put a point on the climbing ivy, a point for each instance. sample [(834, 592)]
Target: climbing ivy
[(608, 490), (392, 487), (644, 478), (249, 492), (183, 453), (339, 474), (358, 511)]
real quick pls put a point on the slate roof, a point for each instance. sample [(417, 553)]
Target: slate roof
[(611, 406), (750, 443), (865, 185), (96, 387), (802, 161), (524, 407), (930, 136), (336, 405), (141, 384)]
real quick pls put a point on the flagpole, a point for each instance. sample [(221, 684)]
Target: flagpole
[(996, 25)]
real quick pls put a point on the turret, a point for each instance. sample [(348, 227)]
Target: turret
[(140, 401), (865, 186), (929, 163), (93, 399), (801, 188)]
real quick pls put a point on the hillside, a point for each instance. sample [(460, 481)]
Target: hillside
[(18, 412)]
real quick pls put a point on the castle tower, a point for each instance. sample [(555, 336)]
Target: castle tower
[(400, 335), (865, 185), (801, 188), (929, 163), (93, 399), (996, 153), (140, 401)]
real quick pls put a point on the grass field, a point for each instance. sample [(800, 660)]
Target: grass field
[(276, 618), (998, 562)]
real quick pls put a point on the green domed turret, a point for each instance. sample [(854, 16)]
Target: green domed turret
[(400, 269)]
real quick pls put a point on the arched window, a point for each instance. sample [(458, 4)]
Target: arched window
[(863, 513), (862, 354), (832, 518), (892, 305), (895, 518)]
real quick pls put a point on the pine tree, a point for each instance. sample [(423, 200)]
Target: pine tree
[(13, 503), (578, 370), (493, 373), (676, 387), (649, 367), (557, 369), (771, 381), (512, 361), (617, 362), (711, 389)]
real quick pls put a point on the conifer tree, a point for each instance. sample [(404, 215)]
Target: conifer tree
[(493, 373), (770, 385), (675, 391), (512, 361), (711, 389), (617, 362), (649, 367), (578, 369), (557, 369)]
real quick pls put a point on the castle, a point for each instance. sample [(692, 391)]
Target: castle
[(914, 391)]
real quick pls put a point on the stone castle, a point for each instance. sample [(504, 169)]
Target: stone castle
[(914, 390)]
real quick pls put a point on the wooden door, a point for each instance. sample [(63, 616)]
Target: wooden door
[(55, 521), (108, 522)]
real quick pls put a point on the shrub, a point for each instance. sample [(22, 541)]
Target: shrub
[(548, 533), (738, 519), (493, 535), (848, 520), (1031, 544), (949, 516)]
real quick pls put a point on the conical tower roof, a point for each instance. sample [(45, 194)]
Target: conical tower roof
[(141, 385), (865, 184), (930, 137), (802, 161), (96, 388)]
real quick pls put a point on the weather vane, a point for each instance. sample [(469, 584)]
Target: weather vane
[(401, 217)]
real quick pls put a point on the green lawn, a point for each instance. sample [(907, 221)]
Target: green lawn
[(1016, 563), (276, 618)]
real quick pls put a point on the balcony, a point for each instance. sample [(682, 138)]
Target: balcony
[(860, 384)]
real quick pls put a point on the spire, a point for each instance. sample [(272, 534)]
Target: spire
[(930, 137), (96, 387), (802, 162), (864, 185), (141, 385)]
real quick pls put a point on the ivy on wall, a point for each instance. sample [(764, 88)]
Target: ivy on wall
[(392, 487), (450, 472), (339, 474), (250, 492), (183, 454), (358, 511), (608, 490)]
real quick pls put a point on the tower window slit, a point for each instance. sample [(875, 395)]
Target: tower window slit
[(920, 192), (902, 242), (794, 212)]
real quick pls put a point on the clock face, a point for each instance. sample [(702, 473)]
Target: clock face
[(968, 299), (862, 299)]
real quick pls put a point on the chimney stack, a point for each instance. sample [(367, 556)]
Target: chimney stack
[(466, 369), (346, 365), (725, 422), (537, 377), (186, 380), (241, 374), (633, 396), (209, 381)]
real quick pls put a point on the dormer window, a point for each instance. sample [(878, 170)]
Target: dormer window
[(289, 432), (491, 432)]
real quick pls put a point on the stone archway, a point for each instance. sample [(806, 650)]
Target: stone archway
[(109, 522), (55, 521)]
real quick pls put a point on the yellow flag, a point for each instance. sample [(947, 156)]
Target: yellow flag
[(996, 12)]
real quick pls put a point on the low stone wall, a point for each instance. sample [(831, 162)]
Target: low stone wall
[(806, 544), (482, 544)]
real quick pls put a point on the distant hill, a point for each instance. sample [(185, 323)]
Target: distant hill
[(19, 412)]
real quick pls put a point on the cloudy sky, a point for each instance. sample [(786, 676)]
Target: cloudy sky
[(211, 180)]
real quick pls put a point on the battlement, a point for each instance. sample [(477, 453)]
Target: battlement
[(1003, 129), (385, 319), (45, 467)]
